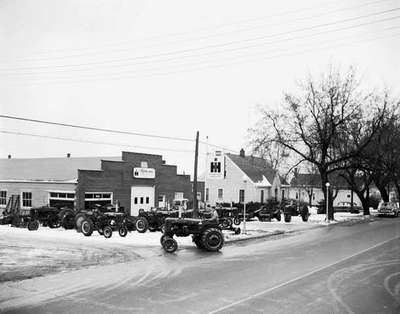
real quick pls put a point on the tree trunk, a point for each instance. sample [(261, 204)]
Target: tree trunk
[(383, 191), (397, 185), (364, 201)]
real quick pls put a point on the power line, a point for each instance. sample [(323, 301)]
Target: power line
[(213, 28), (274, 42), (109, 131), (204, 36), (234, 62), (94, 142), (97, 129), (207, 46)]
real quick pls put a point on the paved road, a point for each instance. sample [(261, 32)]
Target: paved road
[(348, 268)]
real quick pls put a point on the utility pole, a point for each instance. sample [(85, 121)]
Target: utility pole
[(196, 157)]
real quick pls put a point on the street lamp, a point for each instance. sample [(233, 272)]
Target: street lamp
[(244, 204), (327, 200)]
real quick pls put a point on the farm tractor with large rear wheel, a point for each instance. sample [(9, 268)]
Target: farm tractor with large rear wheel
[(206, 234)]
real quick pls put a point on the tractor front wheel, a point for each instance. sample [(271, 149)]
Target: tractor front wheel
[(236, 221), (169, 245), (123, 231), (288, 217), (33, 225), (107, 231)]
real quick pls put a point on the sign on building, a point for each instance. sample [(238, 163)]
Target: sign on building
[(144, 173), (216, 165)]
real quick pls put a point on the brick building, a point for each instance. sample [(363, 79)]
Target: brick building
[(134, 180)]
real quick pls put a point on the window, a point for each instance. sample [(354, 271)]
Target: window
[(297, 195), (220, 193), (147, 200), (262, 196), (26, 199), (313, 196), (178, 195), (62, 199), (135, 201), (3, 198), (283, 194), (144, 164), (97, 198), (207, 194), (141, 200), (241, 196)]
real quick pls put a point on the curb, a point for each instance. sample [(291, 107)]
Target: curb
[(280, 232)]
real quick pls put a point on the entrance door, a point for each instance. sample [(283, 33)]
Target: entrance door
[(142, 197)]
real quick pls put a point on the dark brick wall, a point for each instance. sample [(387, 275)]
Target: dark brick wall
[(117, 177)]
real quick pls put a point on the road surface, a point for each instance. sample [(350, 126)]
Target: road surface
[(347, 268)]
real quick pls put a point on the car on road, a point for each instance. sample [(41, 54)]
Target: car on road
[(388, 209), (346, 207)]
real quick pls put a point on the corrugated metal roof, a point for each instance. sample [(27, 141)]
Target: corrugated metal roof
[(48, 169)]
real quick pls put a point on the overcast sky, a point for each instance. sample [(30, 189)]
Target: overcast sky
[(173, 67)]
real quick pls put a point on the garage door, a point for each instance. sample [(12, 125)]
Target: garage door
[(142, 197)]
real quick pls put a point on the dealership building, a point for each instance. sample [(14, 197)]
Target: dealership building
[(134, 181)]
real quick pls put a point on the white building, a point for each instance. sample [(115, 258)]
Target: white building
[(245, 178), (307, 187)]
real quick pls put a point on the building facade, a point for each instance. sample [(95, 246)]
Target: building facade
[(134, 181), (245, 179)]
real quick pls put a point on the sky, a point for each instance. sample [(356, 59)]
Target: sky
[(172, 68)]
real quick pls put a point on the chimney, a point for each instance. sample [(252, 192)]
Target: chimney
[(242, 153), (9, 156), (68, 155)]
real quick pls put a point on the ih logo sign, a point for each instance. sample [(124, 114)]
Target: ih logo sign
[(216, 166)]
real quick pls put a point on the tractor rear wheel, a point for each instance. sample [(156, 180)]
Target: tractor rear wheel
[(288, 217), (212, 239), (169, 245), (123, 231), (304, 217), (107, 231), (141, 225), (33, 225), (87, 227), (79, 218), (278, 217)]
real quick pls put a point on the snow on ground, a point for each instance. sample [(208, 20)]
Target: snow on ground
[(26, 254)]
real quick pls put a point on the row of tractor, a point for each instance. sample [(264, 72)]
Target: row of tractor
[(205, 226)]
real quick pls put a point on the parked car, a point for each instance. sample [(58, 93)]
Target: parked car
[(346, 207), (388, 209)]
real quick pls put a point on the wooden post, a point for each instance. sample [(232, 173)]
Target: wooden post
[(196, 157)]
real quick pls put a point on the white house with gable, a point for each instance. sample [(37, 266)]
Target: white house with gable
[(244, 178)]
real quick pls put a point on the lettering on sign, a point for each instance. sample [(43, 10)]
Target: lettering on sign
[(144, 173)]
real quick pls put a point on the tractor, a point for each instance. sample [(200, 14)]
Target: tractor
[(206, 233)]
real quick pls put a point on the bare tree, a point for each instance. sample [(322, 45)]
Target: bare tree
[(313, 123)]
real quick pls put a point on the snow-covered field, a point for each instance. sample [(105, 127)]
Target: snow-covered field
[(26, 254)]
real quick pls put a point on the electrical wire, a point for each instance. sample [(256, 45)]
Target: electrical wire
[(115, 49), (212, 28), (208, 66), (207, 46), (97, 129), (108, 130), (94, 142), (221, 51)]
